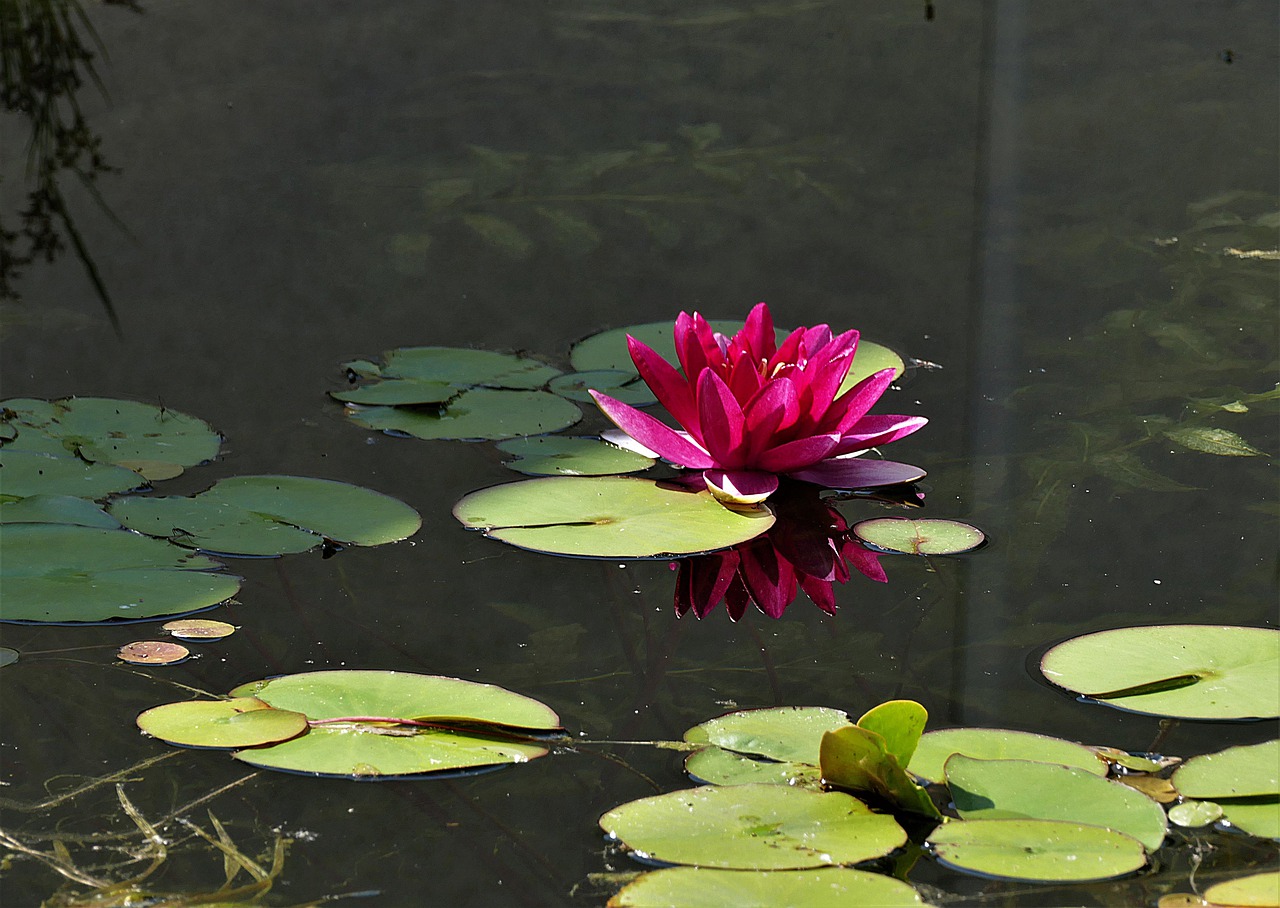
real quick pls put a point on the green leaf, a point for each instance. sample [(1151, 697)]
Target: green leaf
[(399, 392), (1235, 670), (927, 536), (1127, 469), (465, 367), (1192, 814), (219, 528), (707, 887), (753, 827), (998, 744), (1245, 771), (551, 455), (1045, 851), (57, 509), (1213, 441), (608, 517), (1022, 789), (238, 722), (479, 413), (26, 473), (859, 760), (716, 766), (790, 733), (899, 723), (1257, 890), (624, 386), (1256, 816)]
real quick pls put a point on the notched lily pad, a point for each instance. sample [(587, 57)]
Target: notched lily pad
[(919, 536), (214, 527), (624, 386), (552, 455), (476, 414), (29, 473), (399, 392), (935, 747), (608, 517), (57, 509), (1190, 671), (466, 367)]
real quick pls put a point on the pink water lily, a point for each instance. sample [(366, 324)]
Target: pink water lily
[(752, 410)]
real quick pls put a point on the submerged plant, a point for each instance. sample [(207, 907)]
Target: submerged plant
[(752, 410)]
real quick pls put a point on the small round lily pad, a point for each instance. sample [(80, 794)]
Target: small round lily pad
[(926, 536), (199, 629), (1044, 851), (231, 723), (153, 652)]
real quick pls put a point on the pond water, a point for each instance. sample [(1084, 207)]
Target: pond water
[(1053, 203)]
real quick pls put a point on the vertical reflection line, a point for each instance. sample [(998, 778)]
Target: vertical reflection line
[(995, 313)]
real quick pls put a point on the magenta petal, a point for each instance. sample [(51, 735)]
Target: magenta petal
[(702, 582), (690, 353), (866, 561), (853, 404), (877, 430), (740, 486), (666, 383), (721, 420), (774, 404), (653, 434), (858, 473), (798, 454), (757, 334), (770, 579), (736, 598), (821, 592)]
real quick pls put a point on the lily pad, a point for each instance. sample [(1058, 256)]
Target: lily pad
[(708, 887), (153, 652), (237, 722), (899, 723), (551, 455), (115, 431), (476, 414), (753, 827), (211, 526), (199, 629), (369, 724), (1043, 851), (624, 386), (792, 733), (716, 766), (8, 655), (1192, 814), (399, 392), (997, 744), (925, 536), (1249, 770), (334, 510), (1259, 890), (1190, 671), (62, 573), (466, 367), (608, 517), (859, 759), (1022, 789), (57, 509), (26, 473)]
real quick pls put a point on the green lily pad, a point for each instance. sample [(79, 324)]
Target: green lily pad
[(1022, 789), (911, 536), (63, 573), (551, 455), (997, 744), (1043, 851), (753, 827), (234, 723), (708, 887), (26, 473), (608, 517), (211, 527), (791, 733), (899, 723), (1256, 816), (399, 392), (466, 367), (114, 431), (869, 359), (476, 414), (716, 766), (859, 759), (624, 386), (1192, 814), (1190, 671), (57, 509), (1249, 770), (335, 510), (367, 724), (1259, 890)]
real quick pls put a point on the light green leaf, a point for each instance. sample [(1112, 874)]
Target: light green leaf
[(707, 887), (1046, 851), (233, 723), (998, 744), (1213, 441)]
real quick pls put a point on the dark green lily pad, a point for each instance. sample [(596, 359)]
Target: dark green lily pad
[(334, 510), (211, 526), (26, 473), (624, 386), (363, 724), (399, 392), (919, 536), (57, 509), (233, 723), (63, 573), (1043, 851), (116, 431), (608, 517), (1023, 789), (1190, 671), (708, 887), (475, 414), (553, 455), (935, 747), (466, 367), (753, 827), (1249, 770)]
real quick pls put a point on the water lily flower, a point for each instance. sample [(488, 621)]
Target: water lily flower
[(809, 548), (752, 410)]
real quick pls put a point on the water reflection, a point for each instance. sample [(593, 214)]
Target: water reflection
[(809, 548), (48, 49)]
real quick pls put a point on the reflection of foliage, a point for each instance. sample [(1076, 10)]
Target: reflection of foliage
[(1188, 373), (517, 201), (47, 48)]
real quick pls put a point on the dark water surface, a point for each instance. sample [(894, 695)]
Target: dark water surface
[(993, 190)]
